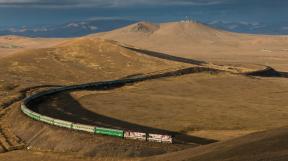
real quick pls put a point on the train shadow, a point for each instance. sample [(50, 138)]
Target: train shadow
[(166, 56), (72, 110), (269, 72)]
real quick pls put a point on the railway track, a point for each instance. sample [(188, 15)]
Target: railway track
[(28, 110), (167, 137), (9, 141)]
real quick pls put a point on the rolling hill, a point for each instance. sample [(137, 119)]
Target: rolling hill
[(198, 41), (219, 106), (12, 44), (73, 61), (270, 145), (77, 60)]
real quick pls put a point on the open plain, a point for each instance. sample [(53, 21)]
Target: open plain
[(225, 115)]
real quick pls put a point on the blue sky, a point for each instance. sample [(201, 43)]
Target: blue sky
[(33, 12)]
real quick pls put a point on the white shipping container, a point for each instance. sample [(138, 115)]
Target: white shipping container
[(134, 135), (160, 138), (155, 138), (167, 139)]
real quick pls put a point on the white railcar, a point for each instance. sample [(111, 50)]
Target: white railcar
[(46, 119), (62, 123), (82, 127), (155, 138), (135, 135)]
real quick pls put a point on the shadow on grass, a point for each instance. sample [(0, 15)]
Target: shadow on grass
[(269, 72), (72, 110), (167, 56)]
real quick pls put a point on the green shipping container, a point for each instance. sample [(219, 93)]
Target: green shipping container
[(110, 132)]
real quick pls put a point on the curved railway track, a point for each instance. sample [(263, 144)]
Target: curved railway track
[(166, 136)]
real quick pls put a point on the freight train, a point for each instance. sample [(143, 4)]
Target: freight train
[(106, 85), (97, 130)]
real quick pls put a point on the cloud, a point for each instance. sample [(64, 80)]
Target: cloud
[(103, 3)]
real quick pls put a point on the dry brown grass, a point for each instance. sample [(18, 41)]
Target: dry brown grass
[(12, 44), (270, 145), (219, 106), (73, 62), (50, 156), (197, 104)]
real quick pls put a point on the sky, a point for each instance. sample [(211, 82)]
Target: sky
[(39, 12)]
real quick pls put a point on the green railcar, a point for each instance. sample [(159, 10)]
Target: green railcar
[(110, 132)]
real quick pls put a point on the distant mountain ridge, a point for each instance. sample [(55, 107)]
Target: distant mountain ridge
[(85, 27), (251, 27), (70, 29)]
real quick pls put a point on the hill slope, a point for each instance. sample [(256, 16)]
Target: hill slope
[(270, 145), (83, 59), (74, 61), (11, 44)]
